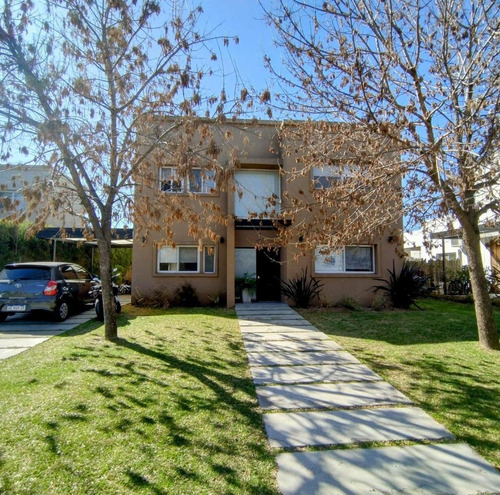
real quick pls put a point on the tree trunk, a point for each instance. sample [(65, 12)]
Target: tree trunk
[(487, 330), (108, 300)]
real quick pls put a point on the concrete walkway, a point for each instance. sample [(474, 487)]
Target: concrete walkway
[(21, 332), (317, 395)]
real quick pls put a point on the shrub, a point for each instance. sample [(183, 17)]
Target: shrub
[(349, 303), (218, 299), (185, 296), (404, 288), (158, 299), (302, 289), (378, 303)]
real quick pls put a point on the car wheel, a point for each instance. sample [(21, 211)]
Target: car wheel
[(3, 316), (99, 310), (62, 311)]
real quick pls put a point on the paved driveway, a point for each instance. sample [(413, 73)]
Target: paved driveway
[(20, 332)]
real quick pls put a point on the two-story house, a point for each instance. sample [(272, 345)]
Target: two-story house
[(246, 187)]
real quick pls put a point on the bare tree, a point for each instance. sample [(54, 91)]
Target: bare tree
[(426, 75), (80, 81)]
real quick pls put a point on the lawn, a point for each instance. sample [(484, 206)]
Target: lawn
[(434, 358), (169, 409)]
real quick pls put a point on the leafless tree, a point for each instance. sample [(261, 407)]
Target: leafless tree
[(424, 75), (81, 82)]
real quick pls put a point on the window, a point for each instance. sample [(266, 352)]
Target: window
[(358, 259), (209, 259), (169, 180), (198, 181), (201, 181), (257, 192), (328, 175), (68, 273), (186, 259)]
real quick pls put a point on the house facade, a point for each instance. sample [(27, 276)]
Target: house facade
[(248, 239)]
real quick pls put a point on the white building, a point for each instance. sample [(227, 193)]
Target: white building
[(440, 243)]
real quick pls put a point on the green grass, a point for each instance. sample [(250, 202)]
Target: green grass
[(434, 358), (169, 409)]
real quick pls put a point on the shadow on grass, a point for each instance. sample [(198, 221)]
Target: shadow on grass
[(463, 397), (163, 411), (439, 322), (206, 375)]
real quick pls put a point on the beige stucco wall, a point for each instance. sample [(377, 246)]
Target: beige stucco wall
[(256, 148)]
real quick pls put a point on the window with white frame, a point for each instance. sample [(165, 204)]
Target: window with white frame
[(359, 259), (197, 181), (209, 259), (186, 259), (257, 192), (329, 175), (325, 176)]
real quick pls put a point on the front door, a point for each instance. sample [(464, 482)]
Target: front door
[(268, 275)]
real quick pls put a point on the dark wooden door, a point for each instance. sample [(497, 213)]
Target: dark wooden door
[(268, 275)]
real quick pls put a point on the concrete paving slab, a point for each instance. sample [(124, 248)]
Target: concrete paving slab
[(313, 373), (7, 353), (285, 321), (292, 358), (294, 336), (270, 317), (329, 395), (286, 346), (344, 427), (417, 470), (265, 311), (277, 328), (23, 333), (21, 342), (261, 305)]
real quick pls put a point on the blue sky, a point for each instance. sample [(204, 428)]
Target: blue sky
[(245, 19)]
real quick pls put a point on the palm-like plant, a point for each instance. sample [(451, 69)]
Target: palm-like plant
[(302, 289), (405, 287)]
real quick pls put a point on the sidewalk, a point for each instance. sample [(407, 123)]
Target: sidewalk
[(316, 395), (21, 332)]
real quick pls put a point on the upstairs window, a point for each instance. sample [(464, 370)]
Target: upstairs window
[(329, 175), (325, 176), (198, 181), (257, 193), (360, 259)]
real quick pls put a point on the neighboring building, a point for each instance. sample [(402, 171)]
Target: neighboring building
[(448, 244), (212, 266), (15, 184)]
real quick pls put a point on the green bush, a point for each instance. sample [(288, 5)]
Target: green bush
[(247, 282), (302, 289)]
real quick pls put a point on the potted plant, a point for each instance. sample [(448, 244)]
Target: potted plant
[(246, 286)]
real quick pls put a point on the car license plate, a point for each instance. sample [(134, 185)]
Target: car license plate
[(16, 307)]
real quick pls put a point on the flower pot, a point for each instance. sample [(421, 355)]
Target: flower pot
[(246, 296)]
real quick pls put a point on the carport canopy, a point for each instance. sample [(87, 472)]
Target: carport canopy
[(121, 238)]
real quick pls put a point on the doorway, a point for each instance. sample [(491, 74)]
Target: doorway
[(268, 274)]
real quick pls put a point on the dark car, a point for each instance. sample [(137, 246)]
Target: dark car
[(56, 287)]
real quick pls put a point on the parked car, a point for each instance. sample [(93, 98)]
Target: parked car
[(56, 287)]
